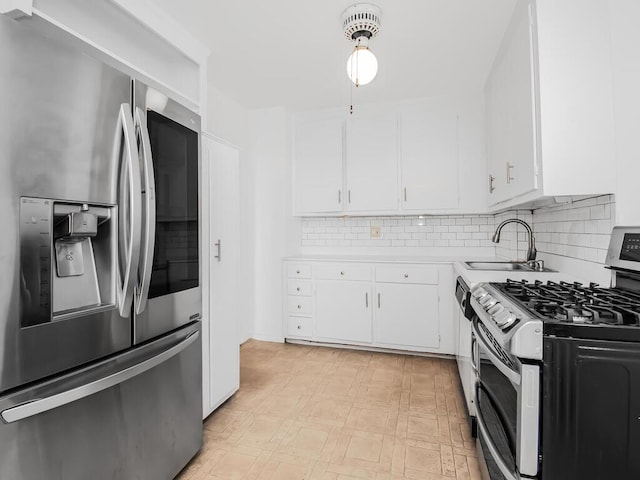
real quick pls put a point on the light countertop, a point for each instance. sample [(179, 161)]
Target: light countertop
[(473, 277), (389, 259)]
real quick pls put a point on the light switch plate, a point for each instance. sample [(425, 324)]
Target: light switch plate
[(375, 232)]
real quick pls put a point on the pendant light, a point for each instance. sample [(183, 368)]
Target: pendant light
[(361, 23)]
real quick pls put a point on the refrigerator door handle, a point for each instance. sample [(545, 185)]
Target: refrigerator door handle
[(129, 244), (35, 407), (148, 238)]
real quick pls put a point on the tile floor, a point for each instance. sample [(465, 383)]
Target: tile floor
[(315, 413)]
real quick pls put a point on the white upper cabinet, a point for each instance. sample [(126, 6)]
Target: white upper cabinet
[(318, 166), (429, 163), (372, 162), (549, 104), (510, 125), (419, 156)]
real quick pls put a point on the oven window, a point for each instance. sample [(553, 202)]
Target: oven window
[(498, 403), (175, 158)]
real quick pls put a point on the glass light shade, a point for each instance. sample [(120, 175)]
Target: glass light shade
[(362, 66)]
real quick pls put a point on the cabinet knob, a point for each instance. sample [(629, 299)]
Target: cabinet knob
[(299, 327), (342, 273), (406, 275), (297, 289), (299, 307), (297, 271)]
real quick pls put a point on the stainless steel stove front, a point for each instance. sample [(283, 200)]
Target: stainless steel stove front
[(507, 390)]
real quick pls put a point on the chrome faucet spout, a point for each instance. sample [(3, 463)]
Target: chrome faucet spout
[(531, 250)]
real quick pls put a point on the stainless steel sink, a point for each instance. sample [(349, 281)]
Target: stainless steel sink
[(504, 266)]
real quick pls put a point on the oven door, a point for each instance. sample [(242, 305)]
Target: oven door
[(507, 406)]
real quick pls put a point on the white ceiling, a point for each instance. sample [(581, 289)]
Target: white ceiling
[(293, 53)]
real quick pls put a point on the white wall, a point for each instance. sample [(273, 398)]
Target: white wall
[(269, 160), (624, 18)]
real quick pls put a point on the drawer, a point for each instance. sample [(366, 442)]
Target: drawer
[(408, 274), (299, 270), (299, 327), (299, 287), (301, 305), (343, 271)]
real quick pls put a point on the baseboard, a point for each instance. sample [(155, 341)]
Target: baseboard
[(268, 338)]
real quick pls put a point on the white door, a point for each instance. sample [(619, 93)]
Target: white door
[(372, 163), (317, 166), (224, 353), (510, 103), (429, 153), (343, 311), (407, 315)]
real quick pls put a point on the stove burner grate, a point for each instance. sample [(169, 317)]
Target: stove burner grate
[(575, 303)]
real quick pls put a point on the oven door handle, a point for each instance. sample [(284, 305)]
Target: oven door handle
[(474, 363), (493, 450), (500, 365)]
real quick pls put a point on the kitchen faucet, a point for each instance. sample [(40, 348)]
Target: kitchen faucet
[(531, 251)]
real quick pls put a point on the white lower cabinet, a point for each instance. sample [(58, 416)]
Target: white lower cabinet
[(382, 305), (299, 327), (407, 316), (343, 311)]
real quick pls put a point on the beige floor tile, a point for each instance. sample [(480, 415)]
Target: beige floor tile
[(363, 448), (316, 413), (233, 466)]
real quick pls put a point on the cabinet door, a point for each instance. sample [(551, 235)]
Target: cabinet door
[(511, 112), (407, 315), (224, 350), (317, 166), (372, 163), (429, 153), (343, 311)]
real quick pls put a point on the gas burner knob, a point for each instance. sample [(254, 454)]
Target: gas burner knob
[(501, 318), (509, 320), (487, 301), (495, 310), (479, 293)]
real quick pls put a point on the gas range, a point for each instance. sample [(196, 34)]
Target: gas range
[(557, 369), (564, 309)]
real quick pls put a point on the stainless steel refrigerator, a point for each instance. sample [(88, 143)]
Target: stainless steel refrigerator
[(100, 300)]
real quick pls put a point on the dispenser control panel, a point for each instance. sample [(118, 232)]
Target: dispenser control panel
[(35, 260)]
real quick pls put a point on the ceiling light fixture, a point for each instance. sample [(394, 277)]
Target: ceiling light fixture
[(361, 22)]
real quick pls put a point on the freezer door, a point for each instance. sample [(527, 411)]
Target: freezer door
[(61, 139), (169, 294), (135, 416)]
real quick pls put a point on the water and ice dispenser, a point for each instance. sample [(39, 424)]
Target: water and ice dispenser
[(68, 259)]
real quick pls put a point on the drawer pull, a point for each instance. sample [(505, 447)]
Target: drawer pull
[(342, 273), (299, 307), (299, 327), (298, 271), (297, 289), (406, 275)]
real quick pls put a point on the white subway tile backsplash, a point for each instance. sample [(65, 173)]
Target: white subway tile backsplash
[(579, 229), (409, 231)]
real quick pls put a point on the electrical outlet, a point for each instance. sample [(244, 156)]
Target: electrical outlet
[(375, 232)]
